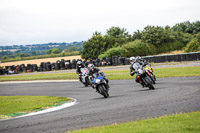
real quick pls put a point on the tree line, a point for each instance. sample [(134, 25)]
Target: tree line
[(38, 51), (150, 41)]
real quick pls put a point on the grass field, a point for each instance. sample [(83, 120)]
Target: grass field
[(179, 123), (111, 75), (16, 105), (38, 61), (159, 72), (173, 52)]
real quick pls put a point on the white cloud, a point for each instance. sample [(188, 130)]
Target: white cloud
[(43, 21)]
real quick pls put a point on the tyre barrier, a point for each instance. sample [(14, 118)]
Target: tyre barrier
[(98, 62), (62, 64), (73, 64), (114, 61), (67, 64)]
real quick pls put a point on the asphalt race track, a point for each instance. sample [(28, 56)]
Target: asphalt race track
[(128, 101)]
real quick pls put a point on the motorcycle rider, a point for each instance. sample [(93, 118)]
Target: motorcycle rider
[(142, 62), (78, 68), (95, 70), (134, 60)]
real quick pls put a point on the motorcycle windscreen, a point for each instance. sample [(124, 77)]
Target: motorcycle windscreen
[(136, 66)]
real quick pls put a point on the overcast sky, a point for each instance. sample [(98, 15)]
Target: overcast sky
[(43, 21)]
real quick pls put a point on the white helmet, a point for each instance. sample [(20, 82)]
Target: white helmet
[(79, 63), (138, 58), (90, 66), (132, 59)]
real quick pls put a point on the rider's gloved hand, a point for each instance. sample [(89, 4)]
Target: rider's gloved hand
[(101, 73), (132, 73), (90, 78)]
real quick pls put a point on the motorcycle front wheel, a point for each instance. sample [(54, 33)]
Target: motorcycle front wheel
[(149, 83), (103, 91)]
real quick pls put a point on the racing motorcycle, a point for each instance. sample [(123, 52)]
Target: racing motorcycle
[(84, 76), (100, 84), (142, 76), (150, 73)]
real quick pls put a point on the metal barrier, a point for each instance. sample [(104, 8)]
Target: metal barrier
[(173, 57)]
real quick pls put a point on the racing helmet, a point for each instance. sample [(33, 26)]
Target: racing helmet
[(132, 59), (91, 67), (138, 58), (79, 63)]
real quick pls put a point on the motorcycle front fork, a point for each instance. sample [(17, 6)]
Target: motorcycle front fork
[(80, 79)]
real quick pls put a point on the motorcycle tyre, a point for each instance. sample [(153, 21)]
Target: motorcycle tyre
[(153, 79), (150, 85), (103, 91)]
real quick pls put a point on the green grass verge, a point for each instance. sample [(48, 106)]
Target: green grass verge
[(159, 72), (111, 75), (50, 76), (16, 105), (179, 123)]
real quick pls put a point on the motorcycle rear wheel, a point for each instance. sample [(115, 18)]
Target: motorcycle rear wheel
[(153, 79)]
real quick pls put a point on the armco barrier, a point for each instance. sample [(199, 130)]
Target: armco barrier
[(178, 57)]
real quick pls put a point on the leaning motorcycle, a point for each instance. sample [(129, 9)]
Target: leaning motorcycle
[(100, 84), (150, 73), (84, 76), (142, 76)]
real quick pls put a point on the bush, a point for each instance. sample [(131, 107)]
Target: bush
[(193, 46), (4, 57), (170, 46), (117, 51), (138, 48)]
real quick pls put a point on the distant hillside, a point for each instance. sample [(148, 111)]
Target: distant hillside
[(37, 49)]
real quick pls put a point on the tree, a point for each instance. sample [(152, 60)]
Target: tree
[(136, 35), (53, 51), (187, 27), (49, 51), (117, 36), (21, 55), (71, 49), (4, 57), (93, 47), (34, 53), (98, 44), (156, 35), (182, 37), (63, 54)]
